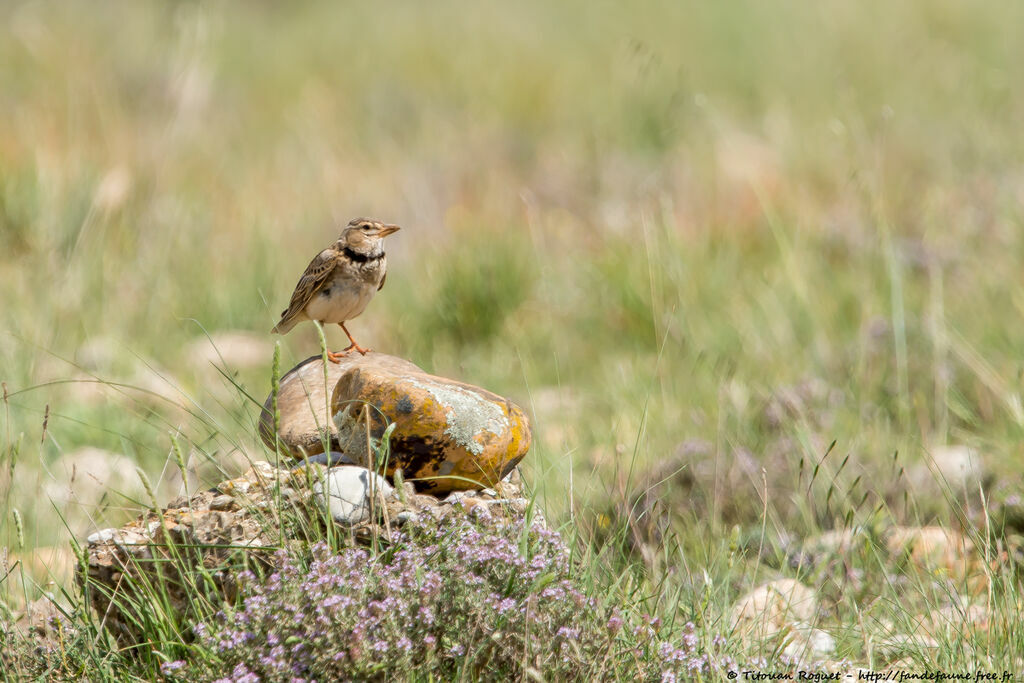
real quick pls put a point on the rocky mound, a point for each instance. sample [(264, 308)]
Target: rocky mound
[(196, 546), (443, 444)]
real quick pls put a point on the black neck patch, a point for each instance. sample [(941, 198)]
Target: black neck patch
[(361, 258)]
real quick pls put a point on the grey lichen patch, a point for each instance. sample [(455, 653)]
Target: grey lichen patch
[(468, 414)]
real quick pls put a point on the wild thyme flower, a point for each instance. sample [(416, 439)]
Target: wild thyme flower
[(459, 598)]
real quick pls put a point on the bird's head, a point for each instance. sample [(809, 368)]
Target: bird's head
[(366, 236)]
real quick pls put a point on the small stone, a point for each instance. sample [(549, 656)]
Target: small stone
[(455, 497), (423, 501), (349, 490), (934, 548), (519, 504), (222, 502), (102, 536), (952, 621), (807, 644), (930, 547), (406, 516), (956, 468), (778, 614), (126, 538), (770, 608)]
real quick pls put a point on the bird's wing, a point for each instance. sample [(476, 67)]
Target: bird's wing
[(317, 274), (381, 285)]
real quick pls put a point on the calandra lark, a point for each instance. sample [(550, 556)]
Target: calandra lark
[(341, 280)]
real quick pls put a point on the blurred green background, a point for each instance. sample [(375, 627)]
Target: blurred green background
[(718, 235)]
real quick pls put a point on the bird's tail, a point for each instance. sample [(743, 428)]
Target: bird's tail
[(283, 326)]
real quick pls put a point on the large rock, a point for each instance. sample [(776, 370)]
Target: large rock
[(303, 401), (447, 435)]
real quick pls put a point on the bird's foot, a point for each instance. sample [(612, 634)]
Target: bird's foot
[(353, 345), (356, 347), (336, 356)]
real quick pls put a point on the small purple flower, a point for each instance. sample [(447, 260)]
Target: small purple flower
[(336, 614), (241, 674), (568, 633)]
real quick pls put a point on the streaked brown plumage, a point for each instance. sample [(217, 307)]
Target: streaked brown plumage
[(341, 280)]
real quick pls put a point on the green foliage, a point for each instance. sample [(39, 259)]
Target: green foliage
[(480, 281)]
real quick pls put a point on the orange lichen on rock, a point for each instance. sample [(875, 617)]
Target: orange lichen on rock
[(447, 435)]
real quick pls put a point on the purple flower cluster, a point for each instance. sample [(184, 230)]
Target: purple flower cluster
[(451, 600)]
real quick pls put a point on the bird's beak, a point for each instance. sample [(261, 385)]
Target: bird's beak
[(388, 229)]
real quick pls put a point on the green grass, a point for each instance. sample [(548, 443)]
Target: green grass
[(652, 228)]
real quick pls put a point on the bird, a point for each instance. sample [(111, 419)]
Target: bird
[(340, 281)]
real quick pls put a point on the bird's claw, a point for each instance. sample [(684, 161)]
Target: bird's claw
[(336, 356), (356, 347)]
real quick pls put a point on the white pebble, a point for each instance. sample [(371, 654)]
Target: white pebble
[(102, 536), (348, 489)]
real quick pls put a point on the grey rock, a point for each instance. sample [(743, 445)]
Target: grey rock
[(349, 490), (102, 536), (407, 516), (456, 497), (222, 502)]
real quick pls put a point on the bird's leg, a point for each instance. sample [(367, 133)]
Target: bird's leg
[(336, 356), (353, 345)]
